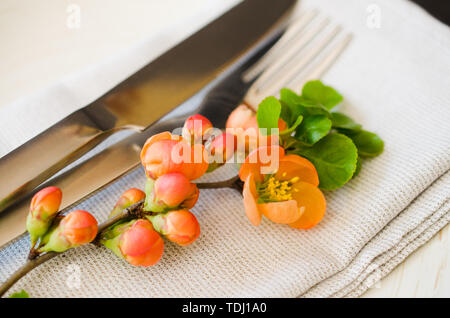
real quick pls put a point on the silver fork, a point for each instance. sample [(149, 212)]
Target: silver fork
[(305, 51), (309, 46)]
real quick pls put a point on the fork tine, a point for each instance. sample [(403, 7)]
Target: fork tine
[(303, 49), (294, 27), (290, 53), (297, 64), (317, 71)]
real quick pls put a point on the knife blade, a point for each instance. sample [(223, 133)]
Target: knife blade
[(142, 99)]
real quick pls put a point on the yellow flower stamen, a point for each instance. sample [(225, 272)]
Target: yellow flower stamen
[(294, 180), (274, 190)]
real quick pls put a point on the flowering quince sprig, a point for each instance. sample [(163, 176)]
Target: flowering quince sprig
[(289, 150), (140, 220)]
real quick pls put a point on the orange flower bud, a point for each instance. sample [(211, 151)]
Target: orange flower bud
[(137, 242), (165, 153), (43, 208), (76, 228), (179, 226), (141, 245), (128, 198), (196, 129), (46, 202), (170, 191), (79, 227)]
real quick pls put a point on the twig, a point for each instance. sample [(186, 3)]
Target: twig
[(134, 210), (29, 265), (230, 183)]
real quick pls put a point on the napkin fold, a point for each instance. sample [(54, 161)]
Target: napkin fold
[(394, 77)]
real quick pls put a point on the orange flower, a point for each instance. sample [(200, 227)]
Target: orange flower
[(285, 193), (165, 153)]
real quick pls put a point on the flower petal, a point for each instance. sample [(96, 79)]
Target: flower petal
[(259, 158), (250, 205), (296, 166), (313, 200), (283, 212), (150, 141)]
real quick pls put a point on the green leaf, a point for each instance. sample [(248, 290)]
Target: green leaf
[(313, 128), (344, 122), (334, 157), (21, 294), (358, 167), (368, 143), (317, 92), (291, 101), (286, 113), (298, 105), (268, 113), (293, 127)]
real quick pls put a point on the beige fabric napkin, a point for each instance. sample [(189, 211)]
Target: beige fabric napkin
[(395, 80)]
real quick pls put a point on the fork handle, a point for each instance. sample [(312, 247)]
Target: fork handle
[(38, 159)]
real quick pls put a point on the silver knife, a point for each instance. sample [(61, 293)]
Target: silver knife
[(142, 99), (118, 159)]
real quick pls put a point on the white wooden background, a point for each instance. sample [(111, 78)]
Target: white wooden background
[(39, 47)]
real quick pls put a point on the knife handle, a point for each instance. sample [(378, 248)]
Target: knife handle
[(29, 165)]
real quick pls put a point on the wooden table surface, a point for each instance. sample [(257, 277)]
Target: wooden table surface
[(41, 44)]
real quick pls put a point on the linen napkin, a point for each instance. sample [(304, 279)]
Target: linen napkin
[(394, 77)]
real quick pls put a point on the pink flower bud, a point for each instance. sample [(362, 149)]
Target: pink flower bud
[(170, 191), (141, 245), (128, 198), (179, 226), (223, 147), (243, 123), (244, 117), (76, 228), (43, 208), (196, 129), (240, 117)]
